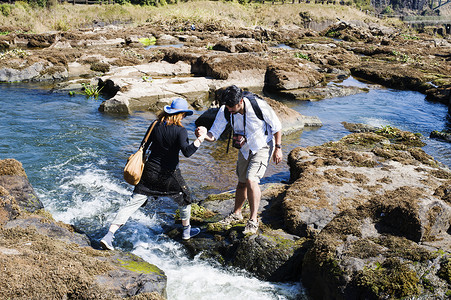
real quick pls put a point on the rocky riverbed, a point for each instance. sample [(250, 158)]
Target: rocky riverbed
[(364, 217)]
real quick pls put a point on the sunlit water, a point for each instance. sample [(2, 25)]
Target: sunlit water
[(74, 155)]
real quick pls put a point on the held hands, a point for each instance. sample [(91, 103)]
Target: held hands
[(201, 133)]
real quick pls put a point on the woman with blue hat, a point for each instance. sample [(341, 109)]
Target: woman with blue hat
[(161, 175)]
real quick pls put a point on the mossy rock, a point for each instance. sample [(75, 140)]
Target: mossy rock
[(392, 278), (272, 255), (445, 270), (199, 214), (100, 67), (137, 264), (399, 136), (219, 228), (220, 197)]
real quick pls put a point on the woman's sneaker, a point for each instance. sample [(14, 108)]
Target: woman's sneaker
[(189, 232), (251, 227), (231, 218), (107, 241)]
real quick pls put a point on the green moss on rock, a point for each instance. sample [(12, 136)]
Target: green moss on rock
[(140, 266), (198, 213), (392, 278), (399, 136), (445, 270), (220, 197)]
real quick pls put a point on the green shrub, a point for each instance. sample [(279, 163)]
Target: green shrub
[(38, 3), (333, 34), (22, 4), (5, 9), (91, 91), (362, 3), (388, 10), (302, 55), (61, 25)]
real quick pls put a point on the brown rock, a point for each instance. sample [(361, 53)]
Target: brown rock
[(290, 77), (14, 180)]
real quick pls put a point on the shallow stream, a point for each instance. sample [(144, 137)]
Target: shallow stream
[(73, 156)]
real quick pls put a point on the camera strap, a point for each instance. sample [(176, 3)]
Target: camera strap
[(233, 130), (244, 119)]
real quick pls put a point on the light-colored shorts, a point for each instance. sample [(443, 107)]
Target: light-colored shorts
[(254, 167)]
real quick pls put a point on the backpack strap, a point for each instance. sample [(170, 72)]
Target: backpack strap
[(255, 107)]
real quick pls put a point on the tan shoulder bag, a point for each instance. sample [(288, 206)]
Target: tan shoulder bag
[(135, 163)]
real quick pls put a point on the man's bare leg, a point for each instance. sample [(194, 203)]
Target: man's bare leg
[(254, 196)]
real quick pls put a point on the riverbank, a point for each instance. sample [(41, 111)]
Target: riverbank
[(67, 17)]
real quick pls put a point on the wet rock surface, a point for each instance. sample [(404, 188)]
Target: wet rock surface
[(42, 258)]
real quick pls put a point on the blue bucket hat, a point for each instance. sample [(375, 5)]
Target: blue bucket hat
[(178, 105)]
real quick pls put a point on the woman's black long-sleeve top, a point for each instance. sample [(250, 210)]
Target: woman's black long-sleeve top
[(161, 175), (167, 142)]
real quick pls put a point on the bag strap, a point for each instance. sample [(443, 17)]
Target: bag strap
[(149, 131)]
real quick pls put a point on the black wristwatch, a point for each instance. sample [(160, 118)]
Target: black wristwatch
[(278, 146)]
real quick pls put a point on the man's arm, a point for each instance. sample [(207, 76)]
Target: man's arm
[(277, 154)]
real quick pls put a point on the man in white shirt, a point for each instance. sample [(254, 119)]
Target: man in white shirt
[(256, 139)]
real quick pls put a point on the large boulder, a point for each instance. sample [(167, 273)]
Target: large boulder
[(377, 209), (331, 178), (224, 66), (291, 76), (400, 76)]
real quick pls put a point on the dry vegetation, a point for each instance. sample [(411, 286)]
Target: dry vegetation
[(67, 17)]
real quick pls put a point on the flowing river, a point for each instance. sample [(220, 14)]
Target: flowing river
[(74, 155)]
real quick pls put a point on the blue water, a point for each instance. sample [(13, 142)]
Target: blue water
[(74, 155), (406, 110)]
